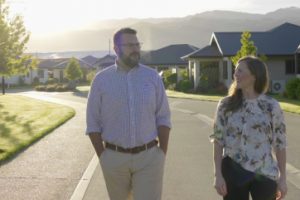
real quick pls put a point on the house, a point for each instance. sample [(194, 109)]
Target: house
[(105, 61), (281, 46), (168, 57), (91, 60), (57, 71), (47, 68)]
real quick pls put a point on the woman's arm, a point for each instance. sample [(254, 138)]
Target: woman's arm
[(281, 159), (219, 182)]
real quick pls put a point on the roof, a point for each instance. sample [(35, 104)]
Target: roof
[(106, 61), (169, 55), (208, 51), (60, 63), (91, 60), (49, 63), (281, 40)]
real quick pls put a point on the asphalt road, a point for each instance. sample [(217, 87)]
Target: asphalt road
[(53, 167), (189, 168)]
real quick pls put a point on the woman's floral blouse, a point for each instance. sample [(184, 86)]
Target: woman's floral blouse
[(249, 134)]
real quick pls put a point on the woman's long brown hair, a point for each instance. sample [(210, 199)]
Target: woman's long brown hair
[(259, 70)]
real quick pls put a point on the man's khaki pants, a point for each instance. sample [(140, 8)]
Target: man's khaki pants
[(141, 174)]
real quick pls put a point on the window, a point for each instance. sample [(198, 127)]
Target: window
[(225, 68), (290, 66), (41, 73)]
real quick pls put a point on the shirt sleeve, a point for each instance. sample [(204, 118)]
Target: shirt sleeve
[(279, 127), (219, 125), (163, 114), (93, 118)]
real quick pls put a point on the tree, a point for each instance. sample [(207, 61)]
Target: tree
[(73, 72), (13, 38), (247, 48)]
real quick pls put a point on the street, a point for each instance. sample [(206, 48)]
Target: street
[(54, 166)]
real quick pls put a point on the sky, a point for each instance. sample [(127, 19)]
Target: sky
[(54, 16)]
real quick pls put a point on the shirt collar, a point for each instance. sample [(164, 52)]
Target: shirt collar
[(122, 69)]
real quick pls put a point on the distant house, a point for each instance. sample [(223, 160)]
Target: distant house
[(48, 68), (104, 62), (281, 45), (168, 57), (57, 71), (91, 60)]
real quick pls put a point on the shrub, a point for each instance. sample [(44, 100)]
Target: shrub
[(291, 88), (51, 88), (169, 78), (184, 86), (62, 88), (90, 76), (184, 74), (298, 91), (52, 81), (220, 88), (40, 88)]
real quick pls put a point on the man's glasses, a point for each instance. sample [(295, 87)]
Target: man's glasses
[(131, 45)]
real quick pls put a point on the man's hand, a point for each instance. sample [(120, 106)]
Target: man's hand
[(97, 142)]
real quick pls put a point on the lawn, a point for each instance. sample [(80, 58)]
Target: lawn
[(286, 104), (24, 120)]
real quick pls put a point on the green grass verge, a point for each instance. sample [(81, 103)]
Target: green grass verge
[(175, 94), (287, 105), (24, 120)]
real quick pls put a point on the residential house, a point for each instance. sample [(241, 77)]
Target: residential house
[(168, 57), (57, 71), (281, 46), (48, 68), (91, 60), (104, 62)]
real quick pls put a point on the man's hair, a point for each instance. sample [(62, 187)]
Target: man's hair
[(119, 33)]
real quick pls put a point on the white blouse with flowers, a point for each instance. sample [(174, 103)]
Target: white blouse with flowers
[(249, 134)]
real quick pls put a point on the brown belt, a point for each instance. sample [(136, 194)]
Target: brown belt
[(133, 150)]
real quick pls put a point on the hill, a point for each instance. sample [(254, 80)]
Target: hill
[(156, 33)]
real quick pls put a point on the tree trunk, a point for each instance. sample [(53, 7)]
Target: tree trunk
[(3, 85)]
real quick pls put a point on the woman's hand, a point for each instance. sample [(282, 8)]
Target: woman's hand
[(220, 185), (281, 189)]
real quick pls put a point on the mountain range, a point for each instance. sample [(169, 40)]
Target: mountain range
[(155, 33)]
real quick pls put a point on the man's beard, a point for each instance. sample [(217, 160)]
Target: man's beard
[(130, 62)]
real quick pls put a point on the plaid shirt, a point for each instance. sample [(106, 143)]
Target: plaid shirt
[(127, 107)]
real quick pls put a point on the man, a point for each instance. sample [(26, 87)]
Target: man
[(127, 112)]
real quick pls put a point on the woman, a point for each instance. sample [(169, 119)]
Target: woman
[(248, 126)]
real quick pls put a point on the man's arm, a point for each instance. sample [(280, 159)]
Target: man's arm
[(163, 137), (97, 142)]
